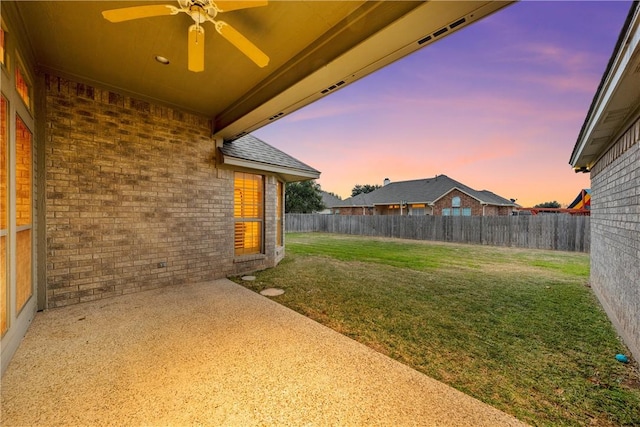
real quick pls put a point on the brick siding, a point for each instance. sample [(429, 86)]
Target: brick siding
[(131, 185), (615, 234), (466, 201), (356, 211)]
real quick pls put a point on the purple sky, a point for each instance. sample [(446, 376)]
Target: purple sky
[(496, 106)]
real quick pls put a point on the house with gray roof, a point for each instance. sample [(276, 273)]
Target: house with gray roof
[(440, 195), (328, 200)]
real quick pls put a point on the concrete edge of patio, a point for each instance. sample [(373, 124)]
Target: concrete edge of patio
[(214, 353)]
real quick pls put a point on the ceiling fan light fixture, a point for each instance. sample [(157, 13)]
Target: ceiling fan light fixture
[(198, 14), (161, 59)]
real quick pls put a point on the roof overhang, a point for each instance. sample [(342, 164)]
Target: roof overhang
[(482, 202), (616, 103), (425, 24), (460, 190), (405, 202), (315, 48), (287, 174)]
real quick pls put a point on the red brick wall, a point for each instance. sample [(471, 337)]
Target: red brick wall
[(498, 210), (356, 211), (465, 202), (129, 186), (469, 202)]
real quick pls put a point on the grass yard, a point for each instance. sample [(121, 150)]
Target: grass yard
[(518, 329)]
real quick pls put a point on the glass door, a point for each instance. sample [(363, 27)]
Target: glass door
[(4, 213), (24, 208), (17, 232)]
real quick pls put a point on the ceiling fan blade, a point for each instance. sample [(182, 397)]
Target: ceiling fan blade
[(227, 6), (135, 12), (195, 50), (242, 43)]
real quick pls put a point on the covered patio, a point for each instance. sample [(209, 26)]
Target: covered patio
[(214, 353)]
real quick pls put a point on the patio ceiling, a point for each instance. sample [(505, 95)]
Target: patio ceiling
[(314, 48)]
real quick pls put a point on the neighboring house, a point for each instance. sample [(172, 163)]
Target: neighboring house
[(328, 200), (440, 196), (608, 147), (121, 170)]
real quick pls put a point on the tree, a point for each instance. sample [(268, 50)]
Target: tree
[(553, 204), (303, 197), (366, 188)]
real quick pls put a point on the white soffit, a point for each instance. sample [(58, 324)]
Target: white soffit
[(616, 100), (422, 26)]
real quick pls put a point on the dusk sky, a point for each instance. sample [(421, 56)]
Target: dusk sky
[(497, 106)]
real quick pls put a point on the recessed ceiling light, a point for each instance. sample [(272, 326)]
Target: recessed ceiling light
[(162, 60)]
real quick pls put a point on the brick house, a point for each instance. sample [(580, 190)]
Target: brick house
[(608, 147), (440, 195), (127, 166)]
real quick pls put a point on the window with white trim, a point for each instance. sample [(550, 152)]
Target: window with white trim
[(248, 213), (280, 214)]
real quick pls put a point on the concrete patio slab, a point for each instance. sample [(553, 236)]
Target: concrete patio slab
[(214, 354)]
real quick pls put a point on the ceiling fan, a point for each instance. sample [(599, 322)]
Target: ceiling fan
[(200, 11)]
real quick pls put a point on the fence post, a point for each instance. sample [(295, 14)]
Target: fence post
[(552, 231)]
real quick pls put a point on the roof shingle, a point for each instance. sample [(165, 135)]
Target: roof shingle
[(253, 149), (421, 191)]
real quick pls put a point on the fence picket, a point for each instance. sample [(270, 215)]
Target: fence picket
[(553, 231)]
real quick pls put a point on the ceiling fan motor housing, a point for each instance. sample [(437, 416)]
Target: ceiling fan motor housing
[(198, 14)]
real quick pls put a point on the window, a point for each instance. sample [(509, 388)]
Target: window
[(23, 87), (455, 209), (4, 213), (418, 209), (279, 215), (24, 205), (248, 211), (3, 61)]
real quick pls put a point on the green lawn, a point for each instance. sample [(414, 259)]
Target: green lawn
[(518, 329)]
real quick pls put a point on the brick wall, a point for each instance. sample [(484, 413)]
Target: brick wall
[(490, 210), (134, 200), (356, 211), (615, 235), (466, 201)]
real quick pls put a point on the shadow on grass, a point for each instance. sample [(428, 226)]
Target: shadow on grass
[(518, 329)]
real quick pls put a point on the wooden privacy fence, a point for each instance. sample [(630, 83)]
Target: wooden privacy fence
[(552, 231)]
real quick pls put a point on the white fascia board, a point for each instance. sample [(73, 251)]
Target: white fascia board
[(406, 202), (395, 41), (460, 190), (623, 57), (234, 161)]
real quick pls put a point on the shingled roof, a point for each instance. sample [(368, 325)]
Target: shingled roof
[(427, 191), (251, 152)]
